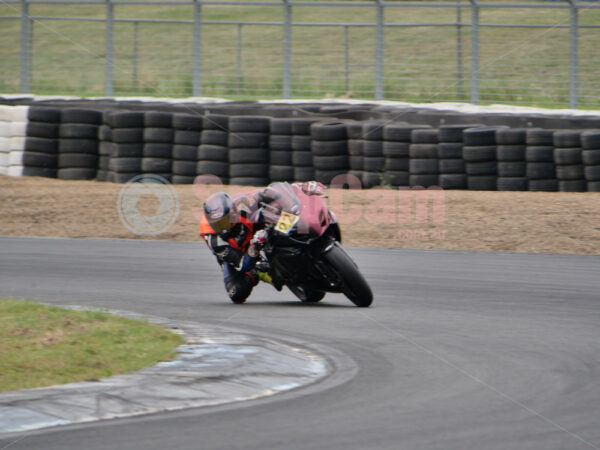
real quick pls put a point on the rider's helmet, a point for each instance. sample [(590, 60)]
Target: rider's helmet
[(220, 212)]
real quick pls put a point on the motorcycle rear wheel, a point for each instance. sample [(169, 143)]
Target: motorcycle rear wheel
[(356, 287), (307, 295)]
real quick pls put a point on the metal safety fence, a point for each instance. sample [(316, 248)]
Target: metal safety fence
[(541, 53)]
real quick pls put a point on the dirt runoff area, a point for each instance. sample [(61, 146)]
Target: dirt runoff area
[(427, 219)]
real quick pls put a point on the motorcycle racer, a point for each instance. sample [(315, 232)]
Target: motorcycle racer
[(233, 228)]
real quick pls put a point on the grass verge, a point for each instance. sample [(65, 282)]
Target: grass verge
[(426, 51), (44, 345)]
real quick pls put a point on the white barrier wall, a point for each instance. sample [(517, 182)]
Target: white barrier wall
[(4, 139), (13, 129)]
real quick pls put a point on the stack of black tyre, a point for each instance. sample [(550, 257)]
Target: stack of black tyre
[(104, 150), (248, 144), (396, 144), (158, 143), (590, 141), (373, 160), (330, 150), (302, 157), (510, 153), (539, 156), (450, 154), (423, 151), (186, 140), (213, 154), (40, 156), (281, 165), (127, 134), (354, 132), (569, 163), (479, 153), (78, 143)]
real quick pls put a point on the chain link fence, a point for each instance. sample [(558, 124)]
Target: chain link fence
[(542, 53)]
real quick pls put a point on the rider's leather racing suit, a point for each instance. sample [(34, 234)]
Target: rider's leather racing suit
[(237, 250)]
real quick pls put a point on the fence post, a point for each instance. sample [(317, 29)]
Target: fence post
[(108, 82), (25, 47), (135, 56), (240, 75), (287, 44), (573, 53), (459, 51), (379, 51), (197, 60), (475, 52), (346, 60)]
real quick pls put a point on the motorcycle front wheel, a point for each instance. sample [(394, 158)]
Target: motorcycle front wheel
[(355, 286)]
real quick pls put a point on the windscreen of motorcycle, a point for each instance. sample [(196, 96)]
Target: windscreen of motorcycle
[(279, 201)]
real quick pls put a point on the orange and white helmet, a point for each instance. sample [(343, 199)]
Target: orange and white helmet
[(220, 212)]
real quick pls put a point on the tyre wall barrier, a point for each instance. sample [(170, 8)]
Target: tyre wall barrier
[(254, 144)]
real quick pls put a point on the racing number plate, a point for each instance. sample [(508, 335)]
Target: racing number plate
[(286, 222)]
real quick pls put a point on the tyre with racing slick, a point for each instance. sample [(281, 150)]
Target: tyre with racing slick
[(355, 286)]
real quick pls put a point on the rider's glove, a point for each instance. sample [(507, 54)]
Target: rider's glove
[(313, 188), (257, 243)]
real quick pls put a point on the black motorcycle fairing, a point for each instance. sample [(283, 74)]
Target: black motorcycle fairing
[(302, 265), (294, 266)]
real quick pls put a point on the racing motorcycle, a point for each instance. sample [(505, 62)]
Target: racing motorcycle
[(303, 250)]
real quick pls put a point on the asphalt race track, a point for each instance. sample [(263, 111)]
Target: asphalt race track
[(460, 350)]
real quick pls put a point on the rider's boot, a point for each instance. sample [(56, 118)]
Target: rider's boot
[(262, 268)]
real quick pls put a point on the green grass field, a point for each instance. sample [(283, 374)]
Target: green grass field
[(43, 346), (526, 66)]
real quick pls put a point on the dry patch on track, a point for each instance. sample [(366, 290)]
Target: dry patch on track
[(459, 220)]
